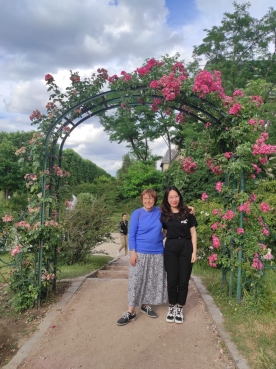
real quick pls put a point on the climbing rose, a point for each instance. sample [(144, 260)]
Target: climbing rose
[(228, 215), (7, 218), (245, 207), (49, 78), (238, 93), (264, 207), (205, 83), (215, 169), (228, 155), (265, 232), (257, 264), (204, 196), (240, 230), (215, 226), (235, 109), (216, 242), (212, 260), (188, 165), (219, 186), (16, 250)]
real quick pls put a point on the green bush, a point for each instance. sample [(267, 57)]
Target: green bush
[(87, 225)]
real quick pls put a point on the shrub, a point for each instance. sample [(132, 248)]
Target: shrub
[(86, 225)]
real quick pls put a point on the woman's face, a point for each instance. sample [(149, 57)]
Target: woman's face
[(148, 202), (173, 199)]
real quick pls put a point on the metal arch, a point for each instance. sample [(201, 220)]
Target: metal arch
[(113, 103), (104, 105)]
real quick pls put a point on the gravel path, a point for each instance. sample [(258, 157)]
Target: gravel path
[(82, 333)]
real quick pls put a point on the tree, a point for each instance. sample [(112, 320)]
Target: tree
[(126, 164), (240, 47), (11, 172), (81, 170), (141, 175), (138, 125)]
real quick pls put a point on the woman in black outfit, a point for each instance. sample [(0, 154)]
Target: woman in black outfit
[(179, 228)]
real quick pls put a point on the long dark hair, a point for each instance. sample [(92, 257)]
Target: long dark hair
[(166, 212)]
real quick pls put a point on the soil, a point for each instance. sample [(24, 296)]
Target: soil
[(16, 328)]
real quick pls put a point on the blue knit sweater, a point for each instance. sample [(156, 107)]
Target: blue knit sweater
[(145, 232)]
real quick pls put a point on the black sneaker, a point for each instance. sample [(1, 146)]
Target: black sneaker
[(171, 314), (127, 317), (179, 315), (146, 309)]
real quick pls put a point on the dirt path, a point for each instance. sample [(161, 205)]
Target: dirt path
[(84, 334)]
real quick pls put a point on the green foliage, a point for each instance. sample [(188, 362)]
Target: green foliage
[(205, 219), (141, 175), (11, 172), (17, 203), (23, 287), (127, 160), (239, 47), (81, 170), (251, 323), (191, 186), (85, 226)]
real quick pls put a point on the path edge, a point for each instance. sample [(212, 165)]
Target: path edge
[(47, 321), (217, 318)]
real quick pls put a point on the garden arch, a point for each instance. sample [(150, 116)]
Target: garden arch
[(198, 108), (83, 101)]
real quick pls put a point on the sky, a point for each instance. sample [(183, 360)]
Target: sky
[(50, 36)]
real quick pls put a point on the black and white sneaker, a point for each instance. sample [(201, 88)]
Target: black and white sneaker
[(127, 317), (179, 315), (171, 314), (146, 309)]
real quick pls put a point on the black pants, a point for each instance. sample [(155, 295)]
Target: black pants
[(177, 260)]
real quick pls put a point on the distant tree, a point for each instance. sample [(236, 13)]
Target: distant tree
[(240, 47), (11, 172), (127, 160), (81, 170), (141, 175)]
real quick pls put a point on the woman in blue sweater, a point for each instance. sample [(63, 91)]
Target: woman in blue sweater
[(147, 282)]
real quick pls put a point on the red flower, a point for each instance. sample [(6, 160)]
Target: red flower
[(49, 78)]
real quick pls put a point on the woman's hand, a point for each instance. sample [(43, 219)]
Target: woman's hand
[(194, 257), (133, 259), (192, 209)]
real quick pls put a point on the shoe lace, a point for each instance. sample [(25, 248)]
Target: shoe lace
[(179, 311), (126, 314), (147, 307), (171, 310)]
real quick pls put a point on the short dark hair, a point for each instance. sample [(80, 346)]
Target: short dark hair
[(150, 192), (123, 214)]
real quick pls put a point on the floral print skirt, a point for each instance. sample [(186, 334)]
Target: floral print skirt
[(147, 281)]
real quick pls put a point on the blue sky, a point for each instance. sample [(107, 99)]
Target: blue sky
[(181, 12), (50, 36)]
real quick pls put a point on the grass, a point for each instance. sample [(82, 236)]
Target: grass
[(93, 262), (250, 323)]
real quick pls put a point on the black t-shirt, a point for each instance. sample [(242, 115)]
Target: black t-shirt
[(180, 228)]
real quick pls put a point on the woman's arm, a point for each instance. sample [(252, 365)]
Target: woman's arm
[(192, 209), (194, 242), (134, 222)]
